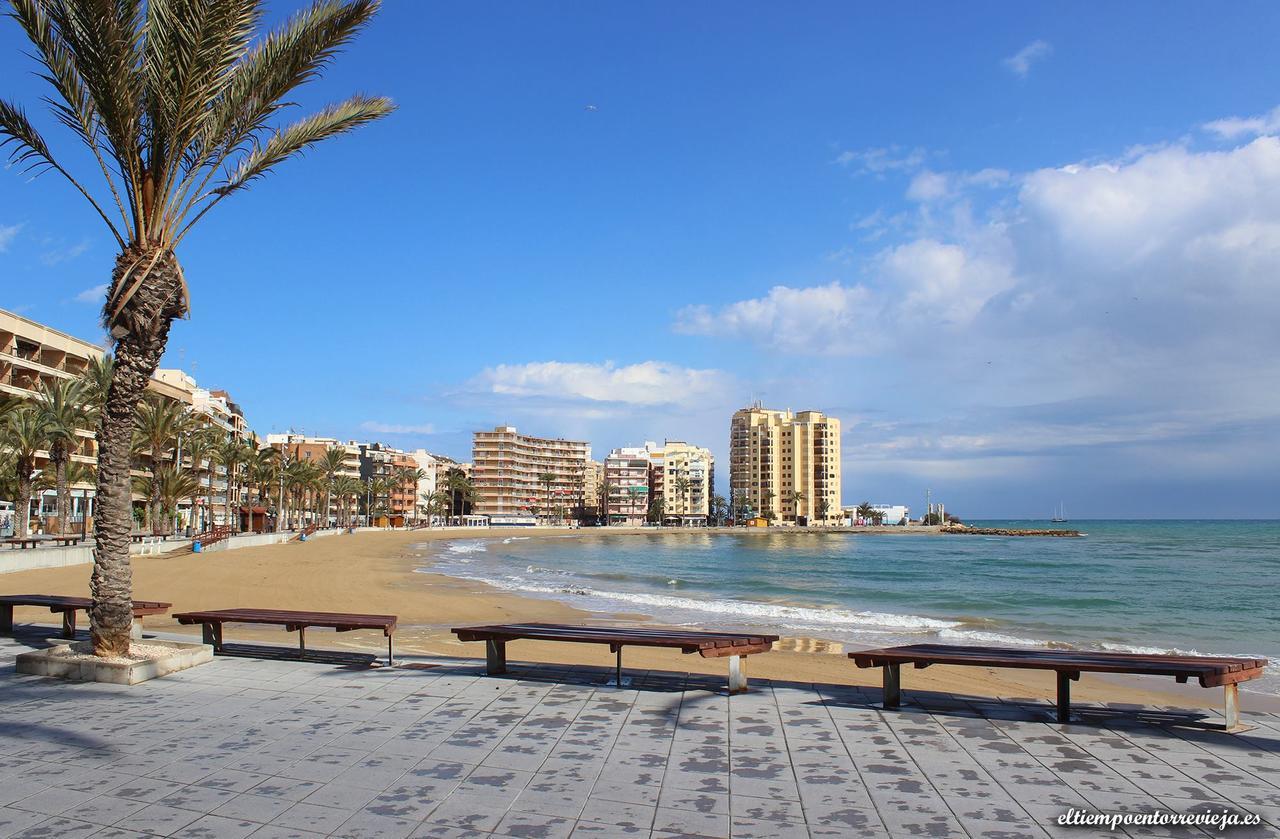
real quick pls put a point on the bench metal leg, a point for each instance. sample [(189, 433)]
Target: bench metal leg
[(892, 685), (495, 654), (1064, 695), (302, 642), (6, 618), (618, 668), (391, 659), (211, 633), (1231, 706), (737, 674), (69, 623)]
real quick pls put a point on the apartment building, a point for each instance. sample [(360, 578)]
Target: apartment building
[(785, 467), (516, 476), (33, 355), (395, 504), (626, 480), (683, 477)]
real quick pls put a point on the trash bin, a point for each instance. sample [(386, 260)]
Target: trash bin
[(195, 546)]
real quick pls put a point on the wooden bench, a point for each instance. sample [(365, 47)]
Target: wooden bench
[(1210, 671), (733, 646), (23, 543), (68, 606), (292, 621), (68, 541)]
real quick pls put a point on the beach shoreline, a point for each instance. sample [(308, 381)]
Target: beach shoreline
[(389, 572)]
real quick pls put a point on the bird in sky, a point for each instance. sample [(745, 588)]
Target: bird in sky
[(591, 108)]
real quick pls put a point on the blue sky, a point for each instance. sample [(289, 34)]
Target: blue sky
[(1026, 253)]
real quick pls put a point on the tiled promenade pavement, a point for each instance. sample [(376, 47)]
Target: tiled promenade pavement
[(274, 748)]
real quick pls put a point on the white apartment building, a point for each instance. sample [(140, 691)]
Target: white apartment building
[(683, 476), (626, 480)]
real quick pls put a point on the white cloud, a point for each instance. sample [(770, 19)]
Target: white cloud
[(1233, 128), (1020, 62), (392, 428), (647, 383), (61, 254), (832, 319), (878, 161), (97, 294), (929, 186), (7, 234)]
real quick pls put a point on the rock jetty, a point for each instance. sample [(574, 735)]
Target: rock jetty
[(1001, 531)]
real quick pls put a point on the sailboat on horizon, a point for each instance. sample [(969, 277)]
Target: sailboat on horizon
[(1060, 515)]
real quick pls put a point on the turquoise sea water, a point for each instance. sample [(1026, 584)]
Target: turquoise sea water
[(1189, 586)]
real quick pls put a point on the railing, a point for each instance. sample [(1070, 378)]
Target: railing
[(214, 535)]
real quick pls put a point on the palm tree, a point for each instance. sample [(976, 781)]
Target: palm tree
[(333, 461), (264, 469), (461, 491), (25, 431), (547, 480), (62, 404), (96, 380), (719, 508), (794, 497), (229, 453), (82, 473), (158, 423), (822, 508), (682, 487), (178, 105), (345, 488), (200, 446), (170, 485), (865, 511), (411, 477)]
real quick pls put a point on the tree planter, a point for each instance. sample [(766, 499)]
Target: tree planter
[(62, 662)]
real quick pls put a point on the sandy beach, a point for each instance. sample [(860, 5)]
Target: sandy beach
[(380, 573)]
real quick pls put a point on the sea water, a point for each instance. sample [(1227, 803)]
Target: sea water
[(1209, 587)]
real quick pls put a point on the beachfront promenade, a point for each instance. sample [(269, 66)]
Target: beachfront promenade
[(275, 748)]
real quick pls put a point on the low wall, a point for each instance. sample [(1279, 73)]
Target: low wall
[(32, 558), (254, 540)]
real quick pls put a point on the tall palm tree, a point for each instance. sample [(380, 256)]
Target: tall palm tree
[(62, 404), (25, 432), (230, 454), (199, 446), (344, 489), (410, 477), (461, 491), (80, 474), (179, 105), (332, 462), (158, 423), (865, 511), (794, 497), (171, 485), (683, 485), (719, 508), (548, 480)]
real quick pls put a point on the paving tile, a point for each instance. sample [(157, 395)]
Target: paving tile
[(217, 827), (15, 821), (254, 808), (366, 825), (312, 817), (56, 828), (158, 819)]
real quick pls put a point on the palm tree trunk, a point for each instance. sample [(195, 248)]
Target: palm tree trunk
[(22, 515), (64, 493), (226, 499), (146, 317)]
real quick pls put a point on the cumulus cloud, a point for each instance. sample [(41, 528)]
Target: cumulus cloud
[(7, 234), (393, 428), (1234, 128), (97, 294), (648, 383), (1020, 62)]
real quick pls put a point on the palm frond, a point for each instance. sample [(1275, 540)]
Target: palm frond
[(295, 139), (31, 151)]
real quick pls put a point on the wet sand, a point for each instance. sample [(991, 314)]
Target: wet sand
[(376, 572)]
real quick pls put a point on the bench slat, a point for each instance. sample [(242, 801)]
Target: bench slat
[(709, 644), (1061, 660)]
